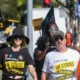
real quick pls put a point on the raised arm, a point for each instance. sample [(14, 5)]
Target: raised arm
[(41, 54)]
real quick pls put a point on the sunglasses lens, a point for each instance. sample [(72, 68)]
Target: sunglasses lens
[(53, 30), (16, 37), (50, 30), (59, 37)]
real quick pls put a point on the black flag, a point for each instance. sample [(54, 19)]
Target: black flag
[(49, 17)]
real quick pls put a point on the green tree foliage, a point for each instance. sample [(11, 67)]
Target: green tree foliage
[(37, 3), (69, 5), (12, 9)]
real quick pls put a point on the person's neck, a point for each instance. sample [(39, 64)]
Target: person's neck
[(15, 48), (62, 50)]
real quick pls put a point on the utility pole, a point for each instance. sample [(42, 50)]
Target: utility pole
[(29, 28), (29, 24)]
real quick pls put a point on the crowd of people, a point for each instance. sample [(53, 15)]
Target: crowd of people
[(62, 63), (53, 58), (54, 54), (44, 45)]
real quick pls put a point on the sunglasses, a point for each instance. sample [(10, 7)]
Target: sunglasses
[(52, 30), (18, 37), (59, 38)]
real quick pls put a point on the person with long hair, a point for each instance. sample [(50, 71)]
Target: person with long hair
[(14, 59), (44, 44)]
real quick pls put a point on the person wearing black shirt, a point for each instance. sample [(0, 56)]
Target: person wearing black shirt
[(44, 44), (13, 60)]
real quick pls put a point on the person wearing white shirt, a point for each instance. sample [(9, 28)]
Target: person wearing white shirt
[(61, 63)]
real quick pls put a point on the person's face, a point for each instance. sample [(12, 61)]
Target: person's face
[(60, 42), (18, 40), (52, 29)]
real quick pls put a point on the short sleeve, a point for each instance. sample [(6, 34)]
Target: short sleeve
[(46, 65), (28, 58)]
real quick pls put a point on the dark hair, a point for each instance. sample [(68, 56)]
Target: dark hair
[(41, 43), (48, 27)]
